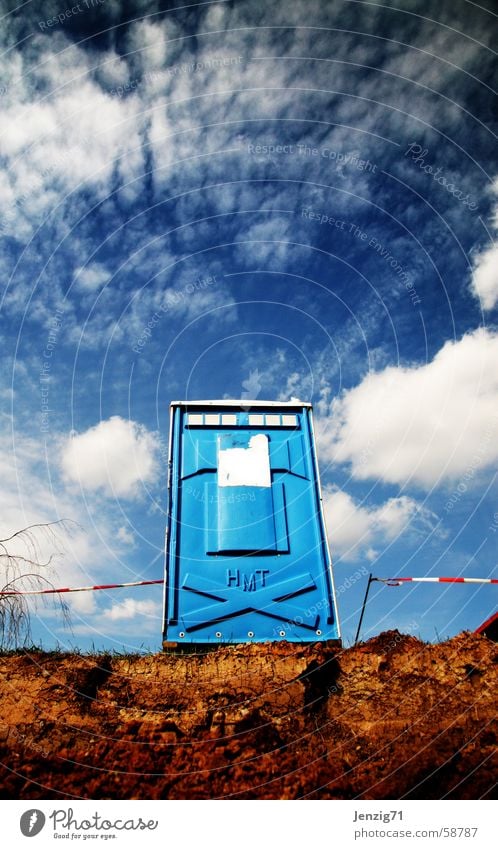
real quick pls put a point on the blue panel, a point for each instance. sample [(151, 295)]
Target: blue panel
[(245, 519), (242, 520), (199, 453), (246, 562)]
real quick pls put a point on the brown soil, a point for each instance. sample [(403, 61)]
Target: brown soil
[(392, 718)]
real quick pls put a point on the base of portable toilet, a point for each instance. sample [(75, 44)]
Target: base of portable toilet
[(205, 648), (247, 558)]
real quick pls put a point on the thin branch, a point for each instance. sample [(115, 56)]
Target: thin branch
[(62, 522), (39, 579), (15, 613), (19, 557)]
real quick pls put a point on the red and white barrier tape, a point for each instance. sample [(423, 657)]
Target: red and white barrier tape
[(395, 582), (82, 589)]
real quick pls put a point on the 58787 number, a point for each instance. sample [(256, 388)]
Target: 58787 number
[(458, 832)]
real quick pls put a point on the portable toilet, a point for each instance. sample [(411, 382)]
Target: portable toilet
[(247, 558)]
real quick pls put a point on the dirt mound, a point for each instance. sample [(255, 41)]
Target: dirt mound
[(392, 718)]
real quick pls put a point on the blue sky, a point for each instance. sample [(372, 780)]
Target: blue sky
[(248, 199)]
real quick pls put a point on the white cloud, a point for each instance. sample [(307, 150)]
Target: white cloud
[(424, 423), (77, 133), (485, 278), (133, 618), (114, 456), (131, 608), (147, 43), (92, 276), (485, 273), (87, 553), (29, 496), (348, 524), (113, 71), (353, 529), (125, 536)]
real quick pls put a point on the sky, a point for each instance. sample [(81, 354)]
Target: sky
[(251, 200)]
